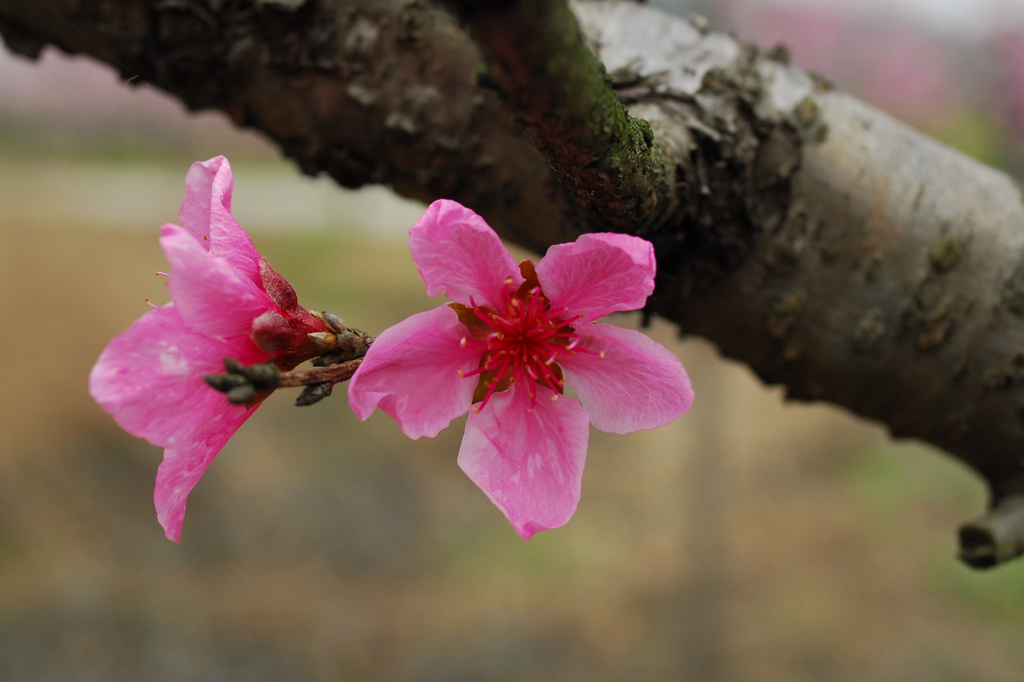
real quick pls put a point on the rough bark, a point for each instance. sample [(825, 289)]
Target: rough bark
[(538, 60), (829, 247)]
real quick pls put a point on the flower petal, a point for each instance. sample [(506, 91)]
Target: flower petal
[(528, 462), (457, 252), (206, 215), (194, 213), (150, 377), (186, 459), (598, 274), (211, 295), (412, 372), (636, 384)]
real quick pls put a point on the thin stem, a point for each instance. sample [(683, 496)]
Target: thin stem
[(250, 385), (320, 375)]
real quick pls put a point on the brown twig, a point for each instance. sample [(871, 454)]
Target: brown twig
[(318, 375)]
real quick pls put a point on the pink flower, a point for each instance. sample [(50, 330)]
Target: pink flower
[(504, 349), (226, 302)]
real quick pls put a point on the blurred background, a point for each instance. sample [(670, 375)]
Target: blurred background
[(752, 539)]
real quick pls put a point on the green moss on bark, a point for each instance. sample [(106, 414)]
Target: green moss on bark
[(539, 62)]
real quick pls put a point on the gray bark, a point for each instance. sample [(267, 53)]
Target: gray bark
[(829, 247)]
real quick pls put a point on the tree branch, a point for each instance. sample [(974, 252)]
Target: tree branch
[(539, 62), (819, 241)]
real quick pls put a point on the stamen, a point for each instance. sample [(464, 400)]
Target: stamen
[(490, 392), (525, 342)]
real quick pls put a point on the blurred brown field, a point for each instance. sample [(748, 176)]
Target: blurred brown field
[(752, 539)]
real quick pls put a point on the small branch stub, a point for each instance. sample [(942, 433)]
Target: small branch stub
[(996, 537)]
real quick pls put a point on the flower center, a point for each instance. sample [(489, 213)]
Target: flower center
[(522, 341)]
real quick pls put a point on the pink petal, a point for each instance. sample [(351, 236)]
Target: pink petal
[(206, 215), (412, 372), (598, 274), (194, 213), (529, 463), (637, 384), (150, 377), (211, 295), (186, 459), (457, 252)]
